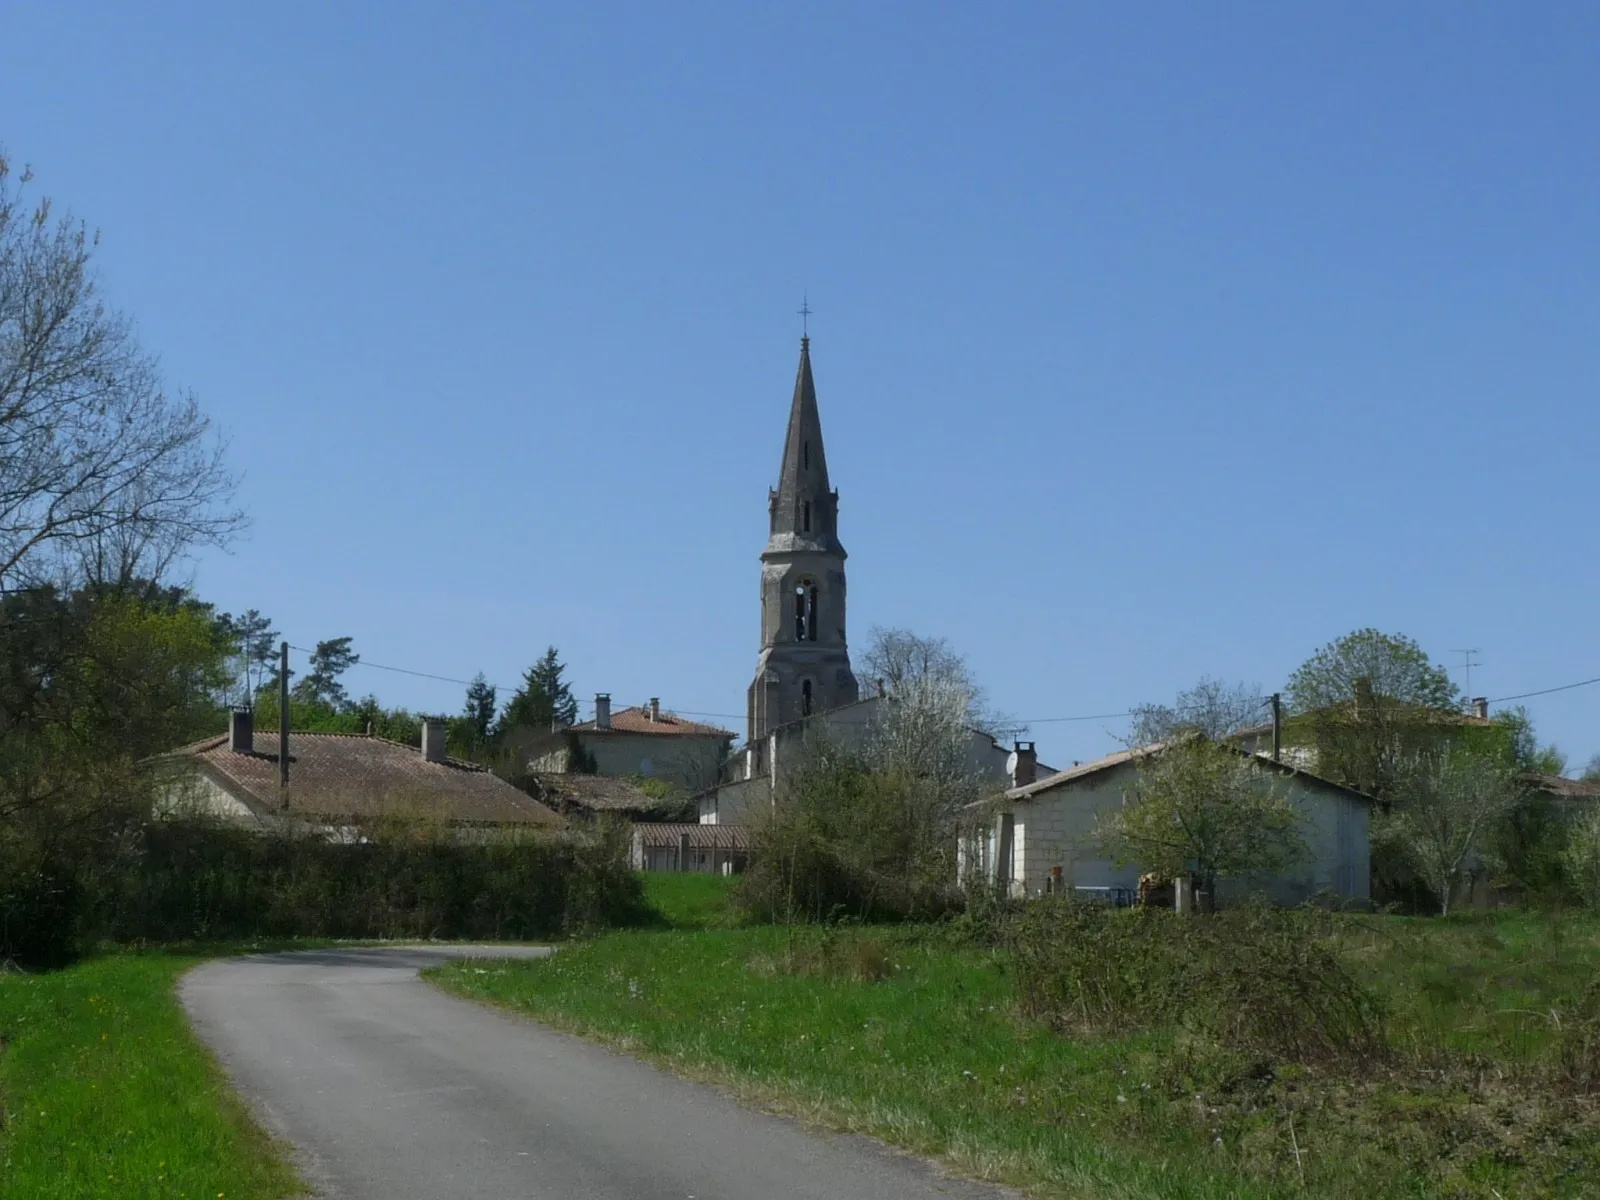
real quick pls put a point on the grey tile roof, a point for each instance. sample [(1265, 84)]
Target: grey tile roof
[(335, 776)]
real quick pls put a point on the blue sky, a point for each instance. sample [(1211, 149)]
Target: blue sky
[(1151, 341)]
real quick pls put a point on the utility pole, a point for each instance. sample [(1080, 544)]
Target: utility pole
[(1277, 727), (283, 725)]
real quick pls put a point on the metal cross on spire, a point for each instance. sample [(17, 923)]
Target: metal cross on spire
[(805, 315)]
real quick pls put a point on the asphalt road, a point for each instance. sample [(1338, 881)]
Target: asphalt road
[(390, 1089)]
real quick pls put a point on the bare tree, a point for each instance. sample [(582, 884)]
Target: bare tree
[(1211, 708), (101, 471), (1446, 806), (902, 660)]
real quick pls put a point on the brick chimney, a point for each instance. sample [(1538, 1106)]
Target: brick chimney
[(602, 710), (1480, 707), (655, 708), (1025, 768), (242, 731), (433, 736)]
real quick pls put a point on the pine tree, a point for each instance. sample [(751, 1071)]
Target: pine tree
[(543, 701), (321, 685), (481, 707)]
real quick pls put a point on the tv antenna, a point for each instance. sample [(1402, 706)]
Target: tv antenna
[(1466, 666)]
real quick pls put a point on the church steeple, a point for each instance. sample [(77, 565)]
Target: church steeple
[(805, 665), (804, 508)]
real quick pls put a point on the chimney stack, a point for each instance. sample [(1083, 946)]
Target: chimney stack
[(602, 710), (1025, 764), (1366, 701), (242, 731), (655, 709), (1480, 707), (433, 731)]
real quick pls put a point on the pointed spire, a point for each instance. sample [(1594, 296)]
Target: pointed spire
[(803, 504)]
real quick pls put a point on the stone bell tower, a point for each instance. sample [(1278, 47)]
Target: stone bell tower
[(804, 666)]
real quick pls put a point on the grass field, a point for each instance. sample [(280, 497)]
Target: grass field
[(106, 1093), (910, 1034)]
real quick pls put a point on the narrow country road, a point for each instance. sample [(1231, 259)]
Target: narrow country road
[(393, 1090)]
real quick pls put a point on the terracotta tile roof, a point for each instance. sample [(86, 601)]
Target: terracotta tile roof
[(337, 775), (598, 793), (1560, 785), (637, 720), (663, 835)]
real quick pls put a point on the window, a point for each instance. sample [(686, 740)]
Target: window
[(805, 516), (805, 611), (805, 455), (805, 698)]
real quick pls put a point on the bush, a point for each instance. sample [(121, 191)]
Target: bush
[(840, 844), (184, 880), (1255, 979)]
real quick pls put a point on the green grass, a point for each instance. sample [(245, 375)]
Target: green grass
[(688, 900), (910, 1035), (105, 1092)]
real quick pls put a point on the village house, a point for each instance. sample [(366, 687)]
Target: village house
[(336, 782), (1294, 738), (1041, 837), (647, 741), (755, 776)]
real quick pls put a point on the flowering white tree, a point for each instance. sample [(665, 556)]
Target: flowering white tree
[(1445, 807)]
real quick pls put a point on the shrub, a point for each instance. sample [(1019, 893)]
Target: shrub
[(1255, 979), (853, 838), (183, 880)]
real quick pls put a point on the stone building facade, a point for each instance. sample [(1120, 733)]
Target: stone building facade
[(804, 666)]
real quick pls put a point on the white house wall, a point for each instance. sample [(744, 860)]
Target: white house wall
[(849, 728), (1056, 828)]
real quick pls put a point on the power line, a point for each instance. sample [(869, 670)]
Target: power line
[(361, 662), (1565, 687), (689, 712)]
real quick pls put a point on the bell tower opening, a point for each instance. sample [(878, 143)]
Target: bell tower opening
[(805, 611)]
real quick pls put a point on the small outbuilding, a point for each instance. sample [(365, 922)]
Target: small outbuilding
[(1041, 835), (707, 849)]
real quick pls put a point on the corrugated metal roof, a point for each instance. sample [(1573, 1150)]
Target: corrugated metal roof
[(661, 835)]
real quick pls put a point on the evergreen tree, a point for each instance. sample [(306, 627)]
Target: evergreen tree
[(482, 704), (320, 684), (544, 700), (253, 638)]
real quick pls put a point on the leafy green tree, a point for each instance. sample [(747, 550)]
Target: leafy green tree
[(1392, 665), (1591, 769), (1448, 806), (320, 684), (544, 700), (1206, 810), (1521, 744), (1580, 857), (1370, 702)]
